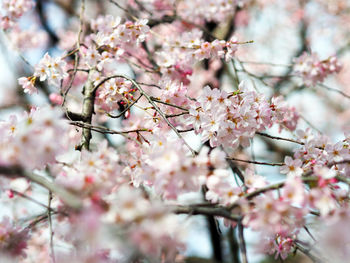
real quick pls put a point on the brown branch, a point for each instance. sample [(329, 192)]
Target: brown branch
[(201, 210), (88, 109), (256, 162), (279, 138), (168, 104), (307, 253), (105, 130), (233, 244), (68, 198), (73, 116)]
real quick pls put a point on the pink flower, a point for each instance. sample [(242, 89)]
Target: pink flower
[(231, 47), (294, 191), (292, 167), (51, 69), (13, 239), (312, 70), (322, 199), (92, 57), (274, 216), (336, 152), (220, 189), (27, 84), (278, 245), (56, 98)]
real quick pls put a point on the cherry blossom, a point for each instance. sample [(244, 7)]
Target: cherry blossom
[(27, 84), (292, 167), (174, 107), (312, 70), (39, 125), (13, 9), (13, 238), (51, 69)]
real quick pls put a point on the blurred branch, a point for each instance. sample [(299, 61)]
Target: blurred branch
[(234, 248), (68, 198), (215, 233), (307, 252), (334, 90), (241, 242), (44, 22), (303, 47)]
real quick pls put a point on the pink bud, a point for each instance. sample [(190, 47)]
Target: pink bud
[(56, 98), (10, 194)]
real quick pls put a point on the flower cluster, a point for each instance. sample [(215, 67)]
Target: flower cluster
[(212, 10), (318, 151), (232, 119), (167, 166), (221, 188), (24, 40), (95, 173), (217, 49), (113, 92), (283, 114), (28, 84), (49, 69), (14, 9), (112, 33), (33, 139), (312, 70), (155, 229), (13, 239), (274, 216), (178, 56), (157, 8), (280, 246)]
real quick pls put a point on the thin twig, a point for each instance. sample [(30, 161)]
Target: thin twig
[(31, 199), (50, 227), (177, 114), (267, 63), (76, 54), (168, 104), (279, 138), (103, 129), (335, 90), (256, 162)]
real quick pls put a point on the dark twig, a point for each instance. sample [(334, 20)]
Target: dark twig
[(241, 242), (256, 162)]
